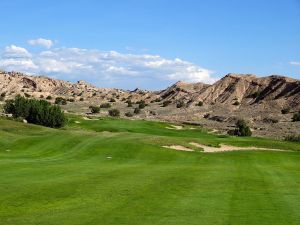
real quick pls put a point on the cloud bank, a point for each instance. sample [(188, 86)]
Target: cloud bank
[(294, 63), (41, 42), (103, 68)]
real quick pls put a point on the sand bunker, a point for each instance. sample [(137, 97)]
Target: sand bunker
[(224, 148), (213, 131), (179, 148), (86, 118), (174, 127)]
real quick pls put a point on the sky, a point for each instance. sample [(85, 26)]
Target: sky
[(150, 44)]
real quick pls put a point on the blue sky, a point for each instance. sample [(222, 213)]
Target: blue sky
[(150, 43)]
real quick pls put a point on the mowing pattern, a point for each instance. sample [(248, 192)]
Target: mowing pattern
[(113, 171)]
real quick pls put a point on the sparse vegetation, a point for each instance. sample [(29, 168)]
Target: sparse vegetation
[(2, 96), (180, 104), (129, 114), (236, 103), (129, 103), (293, 138), (142, 104), (114, 112), (166, 103), (296, 117), (60, 101), (94, 109), (105, 105), (137, 110), (200, 103), (270, 120), (242, 129), (286, 110)]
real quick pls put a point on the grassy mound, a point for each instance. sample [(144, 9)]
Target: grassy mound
[(115, 171)]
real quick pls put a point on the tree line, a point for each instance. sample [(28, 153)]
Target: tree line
[(39, 112)]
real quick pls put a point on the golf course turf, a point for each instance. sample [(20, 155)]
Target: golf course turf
[(115, 171)]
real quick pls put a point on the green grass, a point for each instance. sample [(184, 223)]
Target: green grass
[(83, 174)]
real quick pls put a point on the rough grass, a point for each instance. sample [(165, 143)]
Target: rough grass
[(114, 171)]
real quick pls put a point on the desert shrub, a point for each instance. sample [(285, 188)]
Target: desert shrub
[(94, 109), (26, 95), (71, 100), (153, 113), (255, 94), (36, 111), (49, 97), (3, 94), (200, 103), (285, 110), (293, 137), (41, 96), (180, 104), (129, 114), (81, 99), (105, 105), (166, 103), (60, 101), (112, 100), (142, 104), (157, 100), (296, 117), (236, 103), (270, 120), (129, 103), (94, 94), (137, 110), (114, 112), (242, 129)]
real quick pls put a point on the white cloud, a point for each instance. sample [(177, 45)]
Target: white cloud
[(102, 67), (14, 51), (41, 42), (294, 63)]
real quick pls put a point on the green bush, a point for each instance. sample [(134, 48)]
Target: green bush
[(94, 109), (26, 95), (142, 104), (49, 97), (105, 105), (60, 101), (200, 103), (180, 104), (36, 111), (137, 110), (114, 112), (285, 110), (129, 114), (242, 129), (293, 137), (296, 117), (166, 103)]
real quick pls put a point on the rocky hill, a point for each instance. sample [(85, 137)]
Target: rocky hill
[(257, 99)]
